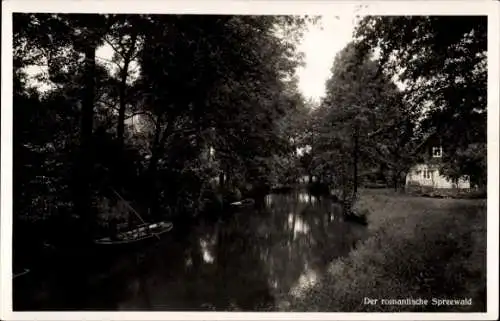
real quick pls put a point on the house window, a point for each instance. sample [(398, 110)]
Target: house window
[(437, 152), (427, 173)]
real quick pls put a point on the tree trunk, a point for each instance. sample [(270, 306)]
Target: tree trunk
[(221, 179), (355, 160), (158, 147), (152, 199), (395, 181), (84, 162), (397, 168), (120, 132), (345, 192)]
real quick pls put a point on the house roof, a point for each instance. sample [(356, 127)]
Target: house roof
[(425, 141)]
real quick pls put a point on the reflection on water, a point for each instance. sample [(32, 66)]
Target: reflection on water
[(269, 200), (206, 249), (297, 224), (307, 198), (248, 262)]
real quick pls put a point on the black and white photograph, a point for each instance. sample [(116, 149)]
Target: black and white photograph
[(331, 160)]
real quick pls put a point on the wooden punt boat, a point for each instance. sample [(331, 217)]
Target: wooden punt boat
[(143, 232), (244, 203)]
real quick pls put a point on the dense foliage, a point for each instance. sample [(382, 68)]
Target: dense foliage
[(443, 63), (194, 111), (187, 108), (363, 129), (190, 113), (368, 129)]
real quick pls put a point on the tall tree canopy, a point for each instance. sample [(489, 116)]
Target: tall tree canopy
[(362, 124), (442, 61), (189, 99)]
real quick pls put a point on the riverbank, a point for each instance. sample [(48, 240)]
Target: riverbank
[(418, 248)]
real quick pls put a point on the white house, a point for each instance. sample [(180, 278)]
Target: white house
[(427, 174)]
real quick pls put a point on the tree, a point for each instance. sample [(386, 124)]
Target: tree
[(442, 61), (361, 106), (124, 39), (218, 84), (224, 86)]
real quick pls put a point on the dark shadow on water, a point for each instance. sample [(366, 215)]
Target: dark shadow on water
[(244, 262)]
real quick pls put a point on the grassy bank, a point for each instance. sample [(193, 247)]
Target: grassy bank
[(418, 248)]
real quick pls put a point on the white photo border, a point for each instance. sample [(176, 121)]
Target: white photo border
[(488, 8)]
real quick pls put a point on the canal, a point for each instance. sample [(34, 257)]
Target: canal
[(250, 261)]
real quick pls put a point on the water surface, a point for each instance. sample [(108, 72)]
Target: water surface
[(248, 261)]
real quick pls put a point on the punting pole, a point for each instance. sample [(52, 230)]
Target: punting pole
[(133, 210)]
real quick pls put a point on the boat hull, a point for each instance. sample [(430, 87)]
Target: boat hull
[(243, 204), (137, 235)]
